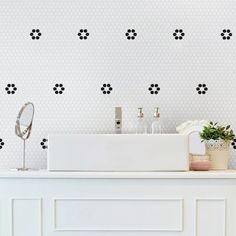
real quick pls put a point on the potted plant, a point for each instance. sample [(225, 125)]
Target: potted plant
[(217, 140)]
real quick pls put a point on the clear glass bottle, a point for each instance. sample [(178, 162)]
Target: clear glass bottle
[(141, 127), (156, 124)]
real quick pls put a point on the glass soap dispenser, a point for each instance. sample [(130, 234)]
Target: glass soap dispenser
[(156, 124), (141, 123)]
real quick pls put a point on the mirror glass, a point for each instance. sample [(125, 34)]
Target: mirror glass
[(195, 145), (24, 121), (192, 128)]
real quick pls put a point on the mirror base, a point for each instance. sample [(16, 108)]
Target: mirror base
[(22, 169)]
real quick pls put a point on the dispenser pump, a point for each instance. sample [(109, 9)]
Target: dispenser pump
[(156, 113), (140, 112)]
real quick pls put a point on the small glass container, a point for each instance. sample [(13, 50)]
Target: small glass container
[(141, 127), (156, 123), (200, 162)]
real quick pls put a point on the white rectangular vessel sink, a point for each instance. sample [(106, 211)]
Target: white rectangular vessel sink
[(118, 152)]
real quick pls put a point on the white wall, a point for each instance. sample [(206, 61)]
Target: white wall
[(107, 56)]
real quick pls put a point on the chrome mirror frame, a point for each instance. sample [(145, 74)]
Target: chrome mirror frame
[(25, 134)]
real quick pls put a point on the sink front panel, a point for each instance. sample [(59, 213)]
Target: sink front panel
[(110, 152)]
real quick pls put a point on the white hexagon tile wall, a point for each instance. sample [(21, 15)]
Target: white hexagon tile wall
[(77, 60)]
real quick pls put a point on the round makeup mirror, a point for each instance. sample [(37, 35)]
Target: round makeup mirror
[(23, 126), (192, 128)]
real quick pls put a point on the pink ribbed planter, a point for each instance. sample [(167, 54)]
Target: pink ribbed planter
[(200, 165)]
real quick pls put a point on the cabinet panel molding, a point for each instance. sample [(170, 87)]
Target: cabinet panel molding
[(26, 216), (210, 216), (118, 214)]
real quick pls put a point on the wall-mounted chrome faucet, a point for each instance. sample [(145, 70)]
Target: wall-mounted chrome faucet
[(118, 120)]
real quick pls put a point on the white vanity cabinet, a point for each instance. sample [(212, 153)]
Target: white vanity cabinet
[(115, 204)]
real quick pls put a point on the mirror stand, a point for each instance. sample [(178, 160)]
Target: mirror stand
[(23, 168)]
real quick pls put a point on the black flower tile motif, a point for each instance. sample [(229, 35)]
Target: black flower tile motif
[(35, 34), (178, 34), (106, 89), (154, 89), (234, 143), (83, 34), (11, 89), (44, 143), (130, 34), (202, 89), (59, 88), (226, 34), (1, 143)]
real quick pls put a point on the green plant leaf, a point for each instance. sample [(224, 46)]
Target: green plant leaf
[(216, 132)]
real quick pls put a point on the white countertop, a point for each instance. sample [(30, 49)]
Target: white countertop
[(44, 174)]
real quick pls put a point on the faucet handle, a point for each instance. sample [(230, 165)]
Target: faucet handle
[(118, 112), (118, 120)]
